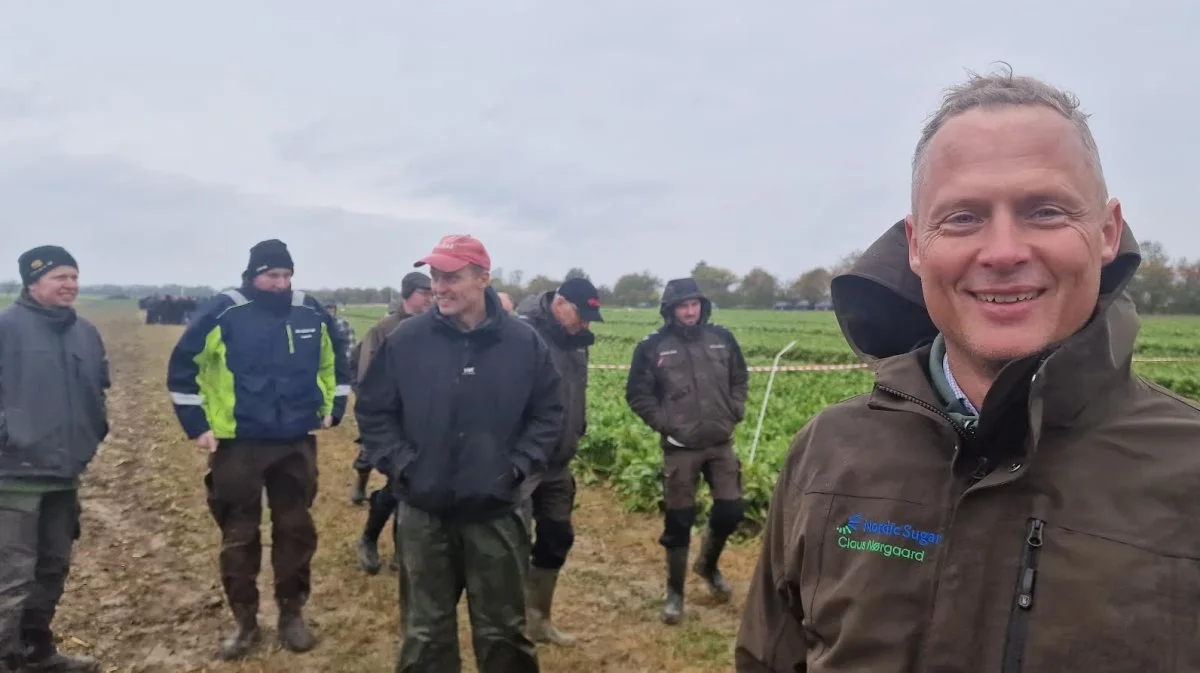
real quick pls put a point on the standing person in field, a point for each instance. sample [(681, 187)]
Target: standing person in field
[(506, 302), (416, 297), (1010, 496), (346, 331), (260, 369), (53, 415), (459, 407), (562, 318), (688, 382)]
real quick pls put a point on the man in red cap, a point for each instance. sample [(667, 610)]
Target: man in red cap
[(459, 407)]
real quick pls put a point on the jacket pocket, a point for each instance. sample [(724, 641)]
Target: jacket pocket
[(1097, 604), (485, 473)]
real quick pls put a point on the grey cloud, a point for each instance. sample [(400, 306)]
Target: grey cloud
[(127, 224)]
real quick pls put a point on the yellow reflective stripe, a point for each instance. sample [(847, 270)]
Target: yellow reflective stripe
[(327, 373), (216, 385)]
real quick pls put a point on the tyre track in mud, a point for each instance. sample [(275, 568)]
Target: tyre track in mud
[(144, 594)]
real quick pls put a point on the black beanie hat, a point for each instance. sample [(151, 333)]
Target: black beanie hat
[(35, 263), (413, 281), (269, 254)]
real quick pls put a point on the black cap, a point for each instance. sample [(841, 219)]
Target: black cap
[(269, 254), (412, 282), (35, 263), (581, 293)]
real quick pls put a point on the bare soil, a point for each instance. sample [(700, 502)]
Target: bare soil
[(144, 593)]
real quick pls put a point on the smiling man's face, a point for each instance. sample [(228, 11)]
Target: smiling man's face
[(1010, 232)]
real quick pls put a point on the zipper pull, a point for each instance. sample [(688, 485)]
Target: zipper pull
[(1035, 533), (1029, 573)]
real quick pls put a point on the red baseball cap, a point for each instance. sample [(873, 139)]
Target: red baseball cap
[(455, 252)]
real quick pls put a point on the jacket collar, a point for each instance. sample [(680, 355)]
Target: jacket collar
[(881, 310)]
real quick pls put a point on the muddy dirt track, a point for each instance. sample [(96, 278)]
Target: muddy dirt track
[(144, 594)]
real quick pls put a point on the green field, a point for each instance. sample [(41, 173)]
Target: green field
[(621, 449)]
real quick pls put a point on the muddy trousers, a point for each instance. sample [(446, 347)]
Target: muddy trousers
[(37, 532), (238, 473), (487, 559), (682, 470)]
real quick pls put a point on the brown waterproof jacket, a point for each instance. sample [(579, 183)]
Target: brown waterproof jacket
[(376, 336), (689, 384), (1061, 535)]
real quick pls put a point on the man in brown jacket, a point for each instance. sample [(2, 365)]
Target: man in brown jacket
[(416, 298), (1010, 496), (688, 382)]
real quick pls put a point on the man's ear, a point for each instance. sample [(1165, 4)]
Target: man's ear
[(1113, 229), (910, 234)]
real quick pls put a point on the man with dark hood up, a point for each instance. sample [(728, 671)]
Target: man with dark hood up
[(1009, 496), (416, 297), (53, 415), (688, 382), (562, 318), (258, 371), (459, 407)]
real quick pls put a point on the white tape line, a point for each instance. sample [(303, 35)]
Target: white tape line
[(833, 368)]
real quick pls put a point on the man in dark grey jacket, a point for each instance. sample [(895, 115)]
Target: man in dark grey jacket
[(53, 378), (562, 318)]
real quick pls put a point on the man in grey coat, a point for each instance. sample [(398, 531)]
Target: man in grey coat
[(53, 382)]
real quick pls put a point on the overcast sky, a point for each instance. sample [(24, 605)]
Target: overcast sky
[(159, 140)]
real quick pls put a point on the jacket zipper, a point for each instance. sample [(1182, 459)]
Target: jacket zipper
[(966, 434), (1018, 618), (291, 341)]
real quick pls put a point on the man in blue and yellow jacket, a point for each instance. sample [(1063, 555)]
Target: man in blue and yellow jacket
[(255, 373)]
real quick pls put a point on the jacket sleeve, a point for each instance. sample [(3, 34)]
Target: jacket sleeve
[(739, 375), (370, 344), (544, 413), (771, 638), (379, 410), (334, 371), (190, 362), (640, 388)]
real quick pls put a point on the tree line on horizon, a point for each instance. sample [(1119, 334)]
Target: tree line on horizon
[(1162, 285)]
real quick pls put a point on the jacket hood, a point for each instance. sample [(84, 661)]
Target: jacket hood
[(881, 309), (536, 310), (676, 291)]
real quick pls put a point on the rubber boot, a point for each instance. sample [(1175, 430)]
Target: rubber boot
[(676, 573), (41, 655), (246, 634), (358, 495), (539, 597), (294, 634), (706, 567), (368, 544)]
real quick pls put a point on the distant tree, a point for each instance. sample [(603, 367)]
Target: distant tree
[(605, 294), (714, 282), (1187, 288), (758, 288), (1153, 286), (576, 272), (539, 284), (846, 262), (812, 286), (636, 288)]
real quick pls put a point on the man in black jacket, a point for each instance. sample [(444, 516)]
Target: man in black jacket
[(53, 415), (688, 382), (459, 406), (562, 318)]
